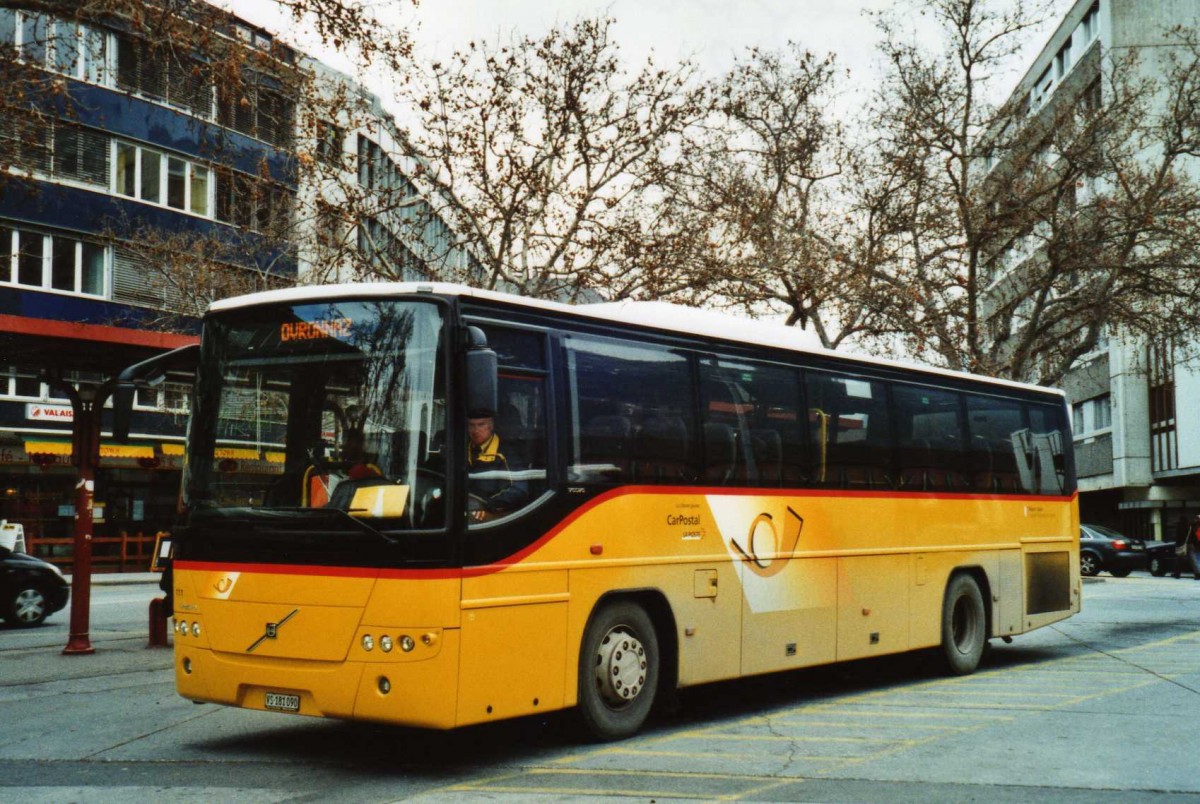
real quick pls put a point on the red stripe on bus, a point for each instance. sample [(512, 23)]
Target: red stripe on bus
[(521, 555)]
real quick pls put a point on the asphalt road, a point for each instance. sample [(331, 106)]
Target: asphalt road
[(1099, 708)]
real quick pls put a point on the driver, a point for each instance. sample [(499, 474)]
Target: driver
[(490, 481)]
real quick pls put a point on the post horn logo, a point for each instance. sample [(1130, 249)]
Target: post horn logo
[(765, 551)]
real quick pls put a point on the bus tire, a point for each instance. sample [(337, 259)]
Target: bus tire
[(964, 625), (619, 663)]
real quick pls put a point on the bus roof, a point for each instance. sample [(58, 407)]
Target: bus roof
[(662, 316)]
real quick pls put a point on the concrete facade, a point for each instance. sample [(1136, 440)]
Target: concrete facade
[(1137, 475)]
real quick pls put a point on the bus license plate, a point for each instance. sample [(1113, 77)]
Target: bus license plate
[(282, 703)]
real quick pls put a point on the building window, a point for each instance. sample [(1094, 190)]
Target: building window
[(198, 189), (18, 382), (55, 262), (1091, 23), (171, 398), (155, 177), (258, 110), (1062, 61), (54, 148), (1164, 437), (158, 73), (329, 143), (247, 202), (64, 46), (1041, 90), (8, 27), (150, 167), (387, 253), (80, 154), (25, 142), (32, 32), (176, 182), (1092, 416)]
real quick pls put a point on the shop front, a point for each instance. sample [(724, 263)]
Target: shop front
[(137, 489)]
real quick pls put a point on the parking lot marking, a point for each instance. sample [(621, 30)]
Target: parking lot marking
[(658, 784), (831, 735)]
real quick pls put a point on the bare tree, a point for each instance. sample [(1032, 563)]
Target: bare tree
[(537, 149), (770, 177), (1023, 232), (928, 118)]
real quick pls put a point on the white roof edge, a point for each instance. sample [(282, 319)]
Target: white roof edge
[(663, 316)]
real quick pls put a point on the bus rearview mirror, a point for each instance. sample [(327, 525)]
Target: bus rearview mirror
[(144, 375), (481, 379)]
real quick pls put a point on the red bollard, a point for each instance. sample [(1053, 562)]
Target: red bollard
[(158, 623)]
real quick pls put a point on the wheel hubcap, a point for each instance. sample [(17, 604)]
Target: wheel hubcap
[(620, 666), (29, 605)]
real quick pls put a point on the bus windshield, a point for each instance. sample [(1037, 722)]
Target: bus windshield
[(331, 412)]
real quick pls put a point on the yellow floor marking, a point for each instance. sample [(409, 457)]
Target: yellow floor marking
[(876, 705)]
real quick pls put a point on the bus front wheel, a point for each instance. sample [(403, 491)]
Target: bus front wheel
[(964, 625), (618, 670)]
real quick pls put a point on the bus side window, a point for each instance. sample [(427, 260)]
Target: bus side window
[(750, 423), (849, 432), (929, 443), (631, 413), (1048, 432), (520, 420), (996, 447)]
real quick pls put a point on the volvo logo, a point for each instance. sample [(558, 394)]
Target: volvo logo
[(271, 630)]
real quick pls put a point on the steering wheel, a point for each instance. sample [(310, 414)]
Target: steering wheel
[(427, 495)]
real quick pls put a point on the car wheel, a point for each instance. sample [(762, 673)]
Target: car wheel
[(1089, 564), (28, 606), (1119, 573), (964, 625), (1157, 567), (618, 670)]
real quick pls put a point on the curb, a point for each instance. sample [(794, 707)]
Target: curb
[(121, 578)]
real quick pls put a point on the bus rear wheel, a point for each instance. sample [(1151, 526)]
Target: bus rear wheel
[(964, 625), (618, 670)]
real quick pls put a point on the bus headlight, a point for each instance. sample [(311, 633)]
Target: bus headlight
[(385, 644), (406, 643), (368, 642)]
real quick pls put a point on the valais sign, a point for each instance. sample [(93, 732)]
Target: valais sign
[(42, 413)]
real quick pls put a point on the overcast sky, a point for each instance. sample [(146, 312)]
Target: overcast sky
[(711, 32)]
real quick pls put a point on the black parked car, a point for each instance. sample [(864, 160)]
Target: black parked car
[(30, 589), (1102, 548), (1160, 558)]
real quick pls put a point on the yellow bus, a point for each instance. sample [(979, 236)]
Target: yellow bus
[(660, 498)]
